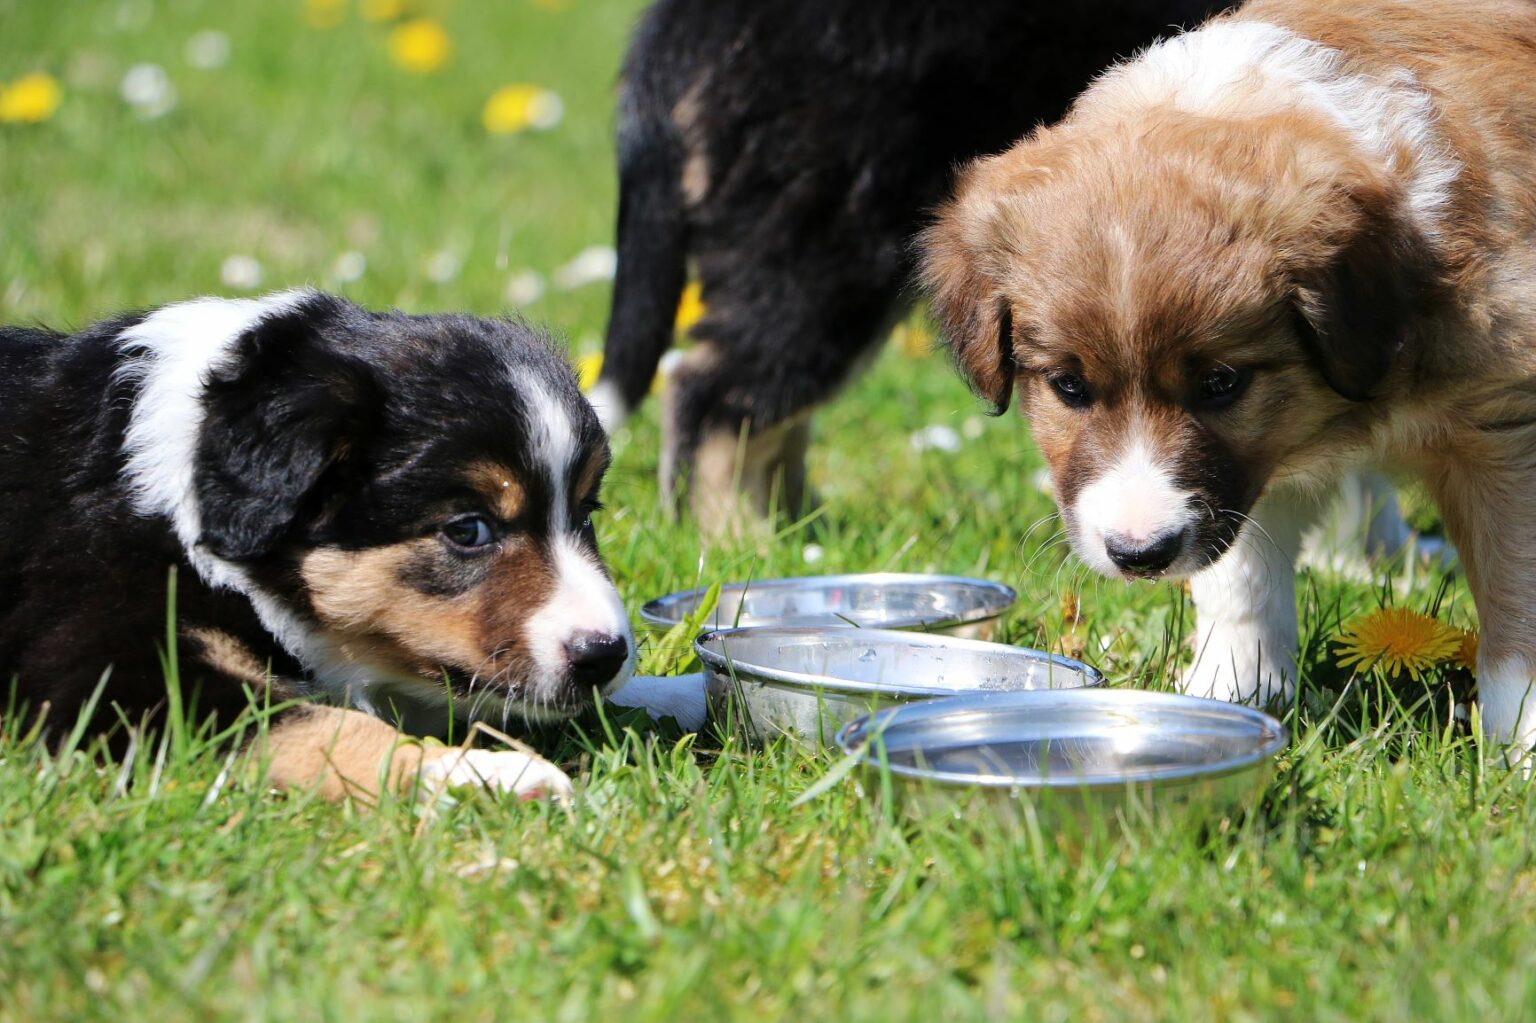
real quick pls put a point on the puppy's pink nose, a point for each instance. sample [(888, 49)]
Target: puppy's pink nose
[(1144, 557)]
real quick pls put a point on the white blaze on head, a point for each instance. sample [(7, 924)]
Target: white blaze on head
[(1135, 500), (584, 601)]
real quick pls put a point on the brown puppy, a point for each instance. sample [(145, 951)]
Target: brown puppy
[(1298, 239)]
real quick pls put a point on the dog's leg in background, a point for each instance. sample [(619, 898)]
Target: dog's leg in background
[(1363, 523), (1489, 504), (1245, 606), (346, 753)]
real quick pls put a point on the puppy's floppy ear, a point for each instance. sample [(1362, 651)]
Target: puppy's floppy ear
[(274, 422), (976, 319), (1359, 307)]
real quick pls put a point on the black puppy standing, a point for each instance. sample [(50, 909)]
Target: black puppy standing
[(791, 150), (389, 512)]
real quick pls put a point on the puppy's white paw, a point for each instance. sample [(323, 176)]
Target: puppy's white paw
[(525, 776)]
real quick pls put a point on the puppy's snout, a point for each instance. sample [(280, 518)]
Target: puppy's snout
[(596, 658), (1144, 557)]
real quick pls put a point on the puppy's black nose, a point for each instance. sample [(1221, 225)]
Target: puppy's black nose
[(595, 658), (1144, 557)]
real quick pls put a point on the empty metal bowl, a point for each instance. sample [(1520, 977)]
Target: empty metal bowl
[(883, 600), (808, 681), (1094, 749)]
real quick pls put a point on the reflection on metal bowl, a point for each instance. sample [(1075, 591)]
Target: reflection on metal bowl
[(883, 600), (807, 681)]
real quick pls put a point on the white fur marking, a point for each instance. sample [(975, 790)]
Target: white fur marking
[(1506, 695), (171, 354), (1247, 68), (1136, 499), (552, 437)]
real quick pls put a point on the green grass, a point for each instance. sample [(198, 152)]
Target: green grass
[(1388, 875)]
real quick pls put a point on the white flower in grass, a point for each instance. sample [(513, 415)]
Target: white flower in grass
[(935, 438), (522, 107), (973, 428), (442, 266), (148, 90), (812, 553), (590, 266), (208, 49), (349, 266), (240, 271), (524, 287)]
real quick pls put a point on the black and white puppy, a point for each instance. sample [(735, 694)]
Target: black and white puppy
[(389, 512), (791, 150)]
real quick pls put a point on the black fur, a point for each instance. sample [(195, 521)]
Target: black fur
[(330, 426), (827, 130)]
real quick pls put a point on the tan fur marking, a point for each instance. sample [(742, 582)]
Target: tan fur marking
[(591, 473), (360, 594), (694, 183), (505, 604), (504, 495), (228, 656), (344, 753)]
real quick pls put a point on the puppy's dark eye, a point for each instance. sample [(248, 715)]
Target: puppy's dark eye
[(1071, 388), (1222, 385), (472, 532), (589, 508)]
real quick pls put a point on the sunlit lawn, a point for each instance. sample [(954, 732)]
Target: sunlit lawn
[(1388, 875)]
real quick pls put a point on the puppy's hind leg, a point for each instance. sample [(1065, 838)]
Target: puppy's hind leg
[(1245, 607)]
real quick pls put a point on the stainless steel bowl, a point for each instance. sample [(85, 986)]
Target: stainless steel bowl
[(877, 600), (1093, 750), (808, 681)]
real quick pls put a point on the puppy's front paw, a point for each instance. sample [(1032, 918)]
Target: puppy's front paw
[(525, 776)]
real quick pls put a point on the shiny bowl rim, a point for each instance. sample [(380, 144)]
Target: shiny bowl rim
[(722, 665), (649, 611), (1278, 737)]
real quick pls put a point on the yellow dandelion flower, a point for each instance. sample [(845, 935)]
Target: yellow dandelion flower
[(587, 369), (914, 341), (690, 307), (1396, 640), (30, 99), (323, 14), (519, 107), (420, 45), (382, 10), (1466, 651)]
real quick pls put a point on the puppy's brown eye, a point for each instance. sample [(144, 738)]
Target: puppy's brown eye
[(471, 532), (1222, 385), (1071, 388)]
